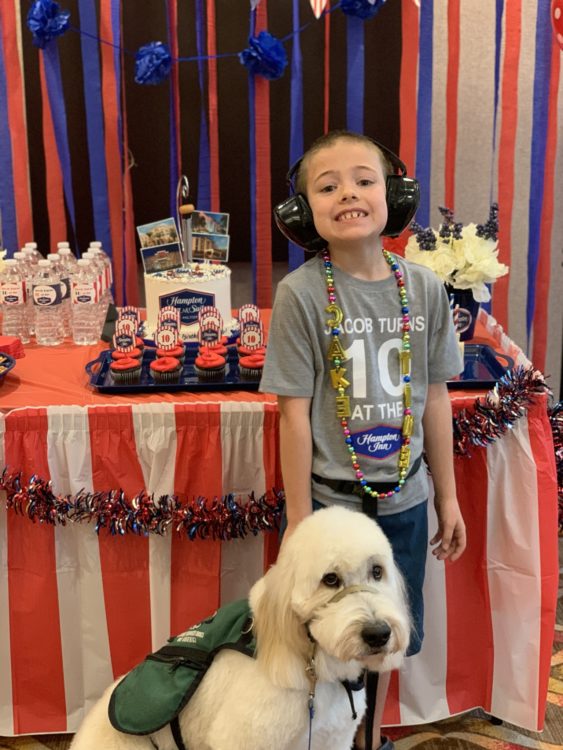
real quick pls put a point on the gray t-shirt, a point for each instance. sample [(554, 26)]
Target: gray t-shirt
[(297, 365)]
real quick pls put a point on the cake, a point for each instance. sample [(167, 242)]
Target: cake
[(189, 289)]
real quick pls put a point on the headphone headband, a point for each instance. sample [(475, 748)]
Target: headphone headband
[(294, 217)]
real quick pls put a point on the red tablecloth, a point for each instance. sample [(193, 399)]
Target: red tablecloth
[(77, 609)]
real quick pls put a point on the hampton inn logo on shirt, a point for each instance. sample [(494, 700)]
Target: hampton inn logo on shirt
[(377, 442)]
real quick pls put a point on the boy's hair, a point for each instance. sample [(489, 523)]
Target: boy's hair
[(329, 139)]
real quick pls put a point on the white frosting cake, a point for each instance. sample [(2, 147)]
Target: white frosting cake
[(189, 289)]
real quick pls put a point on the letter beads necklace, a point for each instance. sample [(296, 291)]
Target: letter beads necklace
[(337, 356)]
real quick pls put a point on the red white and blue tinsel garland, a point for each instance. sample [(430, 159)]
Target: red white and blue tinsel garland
[(218, 519), (228, 517)]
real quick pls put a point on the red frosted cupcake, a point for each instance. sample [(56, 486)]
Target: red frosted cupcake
[(244, 351), (209, 365), (251, 365), (165, 370), (126, 370), (135, 353), (178, 352), (218, 348)]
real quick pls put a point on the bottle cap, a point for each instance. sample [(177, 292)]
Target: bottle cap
[(31, 245), (95, 243), (19, 255), (64, 251), (62, 244), (11, 262), (52, 257), (44, 263), (84, 262)]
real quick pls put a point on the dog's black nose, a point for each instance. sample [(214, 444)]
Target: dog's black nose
[(376, 636)]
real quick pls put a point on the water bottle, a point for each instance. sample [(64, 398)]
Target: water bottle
[(31, 249), (27, 270), (47, 300), (104, 263), (12, 298), (84, 303), (97, 246), (57, 267), (98, 267)]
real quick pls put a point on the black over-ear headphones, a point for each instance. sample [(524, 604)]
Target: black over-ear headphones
[(294, 217)]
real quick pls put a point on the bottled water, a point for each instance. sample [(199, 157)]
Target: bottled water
[(31, 249), (47, 299), (97, 247), (12, 298), (97, 267), (105, 263), (27, 270), (84, 296), (57, 267)]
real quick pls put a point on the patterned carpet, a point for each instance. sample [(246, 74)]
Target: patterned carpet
[(466, 732)]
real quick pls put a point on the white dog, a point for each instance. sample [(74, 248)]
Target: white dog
[(332, 606)]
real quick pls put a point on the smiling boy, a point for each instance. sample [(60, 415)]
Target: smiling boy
[(353, 421)]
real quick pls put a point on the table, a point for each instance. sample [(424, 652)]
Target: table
[(78, 609)]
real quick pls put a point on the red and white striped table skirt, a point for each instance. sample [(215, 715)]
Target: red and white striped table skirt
[(78, 609)]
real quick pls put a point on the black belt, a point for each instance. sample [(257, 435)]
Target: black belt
[(349, 487)]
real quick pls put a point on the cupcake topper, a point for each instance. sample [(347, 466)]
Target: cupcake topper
[(248, 312), (209, 335), (124, 336), (130, 313), (210, 316), (169, 317), (166, 337), (252, 334)]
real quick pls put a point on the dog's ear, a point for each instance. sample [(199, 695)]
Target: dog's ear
[(281, 637)]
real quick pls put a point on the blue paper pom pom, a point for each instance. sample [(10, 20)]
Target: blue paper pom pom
[(361, 8), (265, 57), (152, 63), (46, 21)]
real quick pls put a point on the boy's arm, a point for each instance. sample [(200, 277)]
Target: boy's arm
[(438, 445), (296, 454)]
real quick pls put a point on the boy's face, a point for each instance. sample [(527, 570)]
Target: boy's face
[(346, 192)]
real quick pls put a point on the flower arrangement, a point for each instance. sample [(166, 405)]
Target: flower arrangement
[(464, 257)]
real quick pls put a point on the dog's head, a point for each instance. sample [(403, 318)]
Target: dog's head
[(335, 583)]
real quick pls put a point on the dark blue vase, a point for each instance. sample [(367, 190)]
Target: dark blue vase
[(465, 311)]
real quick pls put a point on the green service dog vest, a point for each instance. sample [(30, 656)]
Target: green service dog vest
[(155, 692)]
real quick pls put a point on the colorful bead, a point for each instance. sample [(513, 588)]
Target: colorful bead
[(337, 356)]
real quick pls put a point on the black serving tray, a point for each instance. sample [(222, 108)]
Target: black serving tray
[(7, 363), (483, 366), (101, 377)]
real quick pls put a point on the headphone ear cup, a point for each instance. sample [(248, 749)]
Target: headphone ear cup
[(294, 219), (403, 197)]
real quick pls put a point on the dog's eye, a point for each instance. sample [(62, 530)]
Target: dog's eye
[(377, 572), (332, 580)]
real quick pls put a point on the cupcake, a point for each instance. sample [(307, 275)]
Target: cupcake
[(219, 348), (135, 353), (244, 351), (178, 352), (209, 365), (126, 370), (251, 365), (165, 370)]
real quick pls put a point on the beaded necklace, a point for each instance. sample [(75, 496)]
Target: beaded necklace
[(337, 356)]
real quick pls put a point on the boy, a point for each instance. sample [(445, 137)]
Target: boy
[(361, 396)]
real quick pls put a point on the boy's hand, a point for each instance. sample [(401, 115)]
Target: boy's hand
[(450, 537)]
